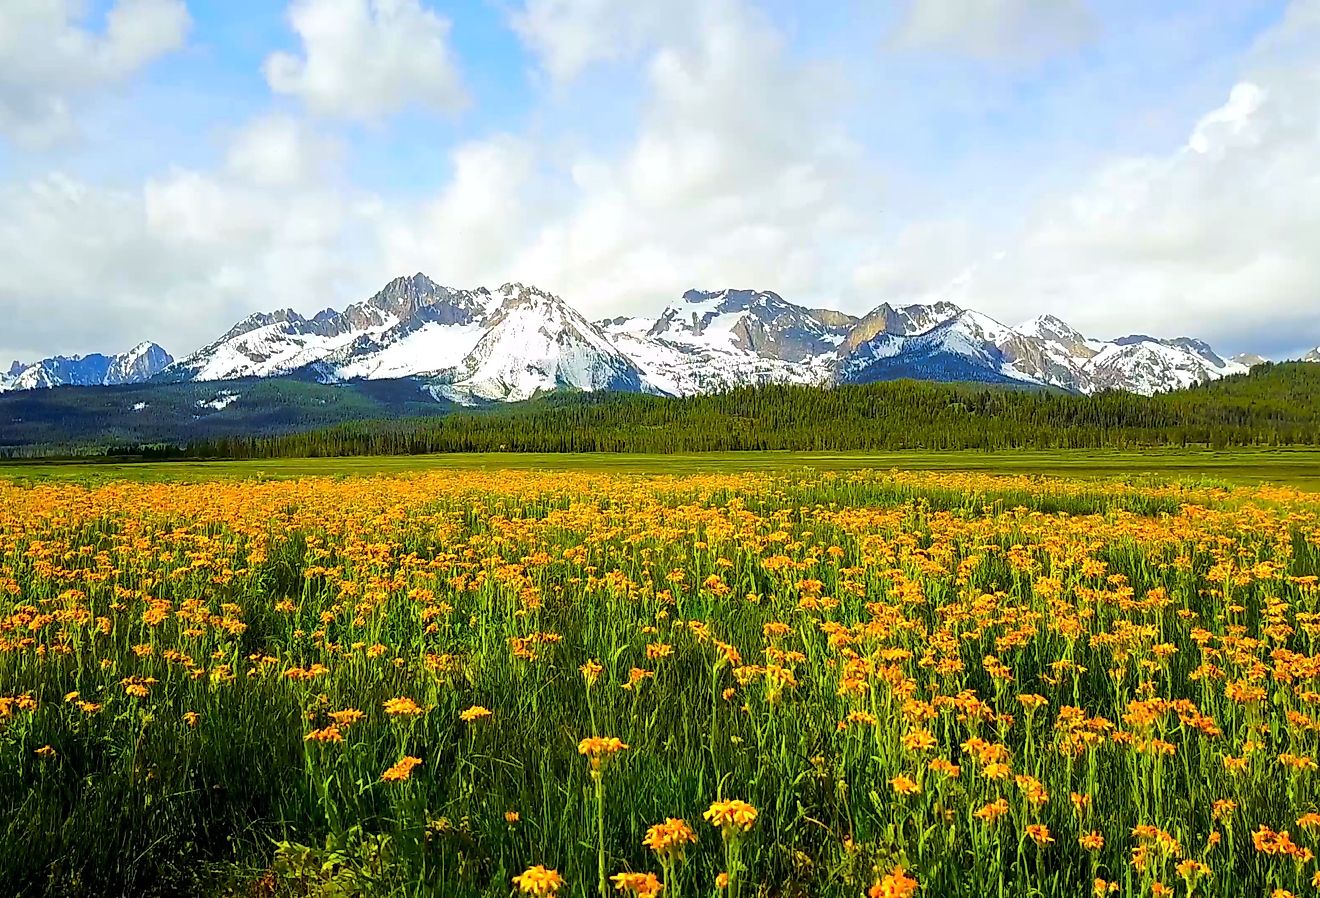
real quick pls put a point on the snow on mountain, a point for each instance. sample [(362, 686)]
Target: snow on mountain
[(1044, 350), (902, 320), (961, 348), (517, 341), (1312, 356), (412, 326), (534, 342), (479, 344), (719, 340), (1251, 360), (137, 364), (1146, 365)]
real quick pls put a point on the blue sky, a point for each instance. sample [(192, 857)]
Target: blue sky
[(168, 166)]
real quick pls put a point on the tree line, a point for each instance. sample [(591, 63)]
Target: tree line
[(1273, 405)]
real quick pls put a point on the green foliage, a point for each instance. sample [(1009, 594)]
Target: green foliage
[(1274, 405)]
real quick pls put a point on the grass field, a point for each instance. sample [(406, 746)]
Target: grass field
[(447, 676), (1287, 467)]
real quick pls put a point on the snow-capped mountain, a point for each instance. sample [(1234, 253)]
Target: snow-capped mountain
[(533, 342), (516, 341), (506, 344), (1312, 356), (412, 326), (715, 341), (137, 364), (970, 346), (1250, 359)]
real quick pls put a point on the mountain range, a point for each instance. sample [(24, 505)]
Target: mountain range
[(515, 342), (138, 364)]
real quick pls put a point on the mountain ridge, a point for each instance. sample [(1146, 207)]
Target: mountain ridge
[(518, 341), (141, 363)]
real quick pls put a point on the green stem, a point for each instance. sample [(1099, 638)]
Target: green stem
[(600, 831)]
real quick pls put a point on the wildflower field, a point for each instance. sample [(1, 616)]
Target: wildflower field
[(488, 683)]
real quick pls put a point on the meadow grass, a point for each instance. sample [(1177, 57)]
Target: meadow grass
[(466, 681), (1289, 466)]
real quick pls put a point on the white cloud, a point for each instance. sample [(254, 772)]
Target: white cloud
[(467, 235), (1216, 238), (996, 29), (367, 59), (47, 58), (179, 259), (569, 35), (739, 174), (277, 150)]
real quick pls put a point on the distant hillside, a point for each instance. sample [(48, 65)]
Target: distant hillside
[(94, 418), (1273, 405)]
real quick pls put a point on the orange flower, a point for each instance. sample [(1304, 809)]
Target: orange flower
[(402, 770), (905, 785), (328, 734), (1039, 833), (993, 811), (894, 884), (1092, 841)]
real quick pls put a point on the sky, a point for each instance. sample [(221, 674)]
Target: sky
[(168, 167)]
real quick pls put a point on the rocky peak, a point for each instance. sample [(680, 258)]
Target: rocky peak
[(262, 319), (1197, 347)]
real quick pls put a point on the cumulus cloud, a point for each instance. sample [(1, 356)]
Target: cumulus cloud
[(1021, 30), (184, 255), (569, 35), (739, 174), (367, 59), (48, 59), (279, 150), (1216, 237)]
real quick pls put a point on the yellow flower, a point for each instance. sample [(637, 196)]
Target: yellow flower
[(670, 839), (512, 817), (403, 707), (539, 881), (45, 752), (191, 718), (643, 885), (591, 671), (599, 749), (732, 817), (476, 712), (402, 770)]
